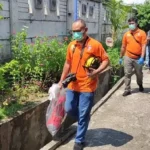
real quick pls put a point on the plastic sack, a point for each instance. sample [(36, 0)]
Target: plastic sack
[(55, 111)]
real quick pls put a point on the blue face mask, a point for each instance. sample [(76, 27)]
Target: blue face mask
[(132, 26), (78, 36)]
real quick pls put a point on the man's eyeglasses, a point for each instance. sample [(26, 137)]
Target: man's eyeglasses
[(76, 31), (131, 23)]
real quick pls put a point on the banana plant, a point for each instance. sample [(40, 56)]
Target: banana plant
[(117, 14)]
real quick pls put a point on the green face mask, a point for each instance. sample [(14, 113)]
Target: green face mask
[(78, 36), (132, 26)]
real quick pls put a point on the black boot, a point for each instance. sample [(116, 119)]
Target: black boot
[(141, 89), (78, 146), (126, 93)]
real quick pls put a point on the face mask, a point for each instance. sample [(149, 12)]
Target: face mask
[(132, 26), (78, 36)]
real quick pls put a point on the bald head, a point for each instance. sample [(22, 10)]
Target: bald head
[(79, 25), (79, 28), (80, 22)]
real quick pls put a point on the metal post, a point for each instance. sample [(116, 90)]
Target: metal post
[(75, 10)]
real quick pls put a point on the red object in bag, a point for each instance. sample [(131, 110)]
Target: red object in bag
[(57, 114)]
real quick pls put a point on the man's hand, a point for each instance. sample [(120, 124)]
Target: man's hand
[(92, 73), (141, 61), (60, 84), (120, 61)]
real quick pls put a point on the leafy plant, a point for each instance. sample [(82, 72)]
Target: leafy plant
[(143, 15), (34, 67), (1, 8), (117, 14), (3, 82), (113, 54), (39, 61)]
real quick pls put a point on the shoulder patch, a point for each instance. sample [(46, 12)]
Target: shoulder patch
[(72, 47), (128, 34), (138, 34), (89, 47)]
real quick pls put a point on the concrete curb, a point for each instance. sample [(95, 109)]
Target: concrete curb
[(107, 96), (55, 144)]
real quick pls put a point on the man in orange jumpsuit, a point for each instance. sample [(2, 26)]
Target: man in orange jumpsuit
[(133, 49), (80, 92)]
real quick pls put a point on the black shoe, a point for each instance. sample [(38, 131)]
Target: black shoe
[(141, 89), (126, 93), (78, 146)]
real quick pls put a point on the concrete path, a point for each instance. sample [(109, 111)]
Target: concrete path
[(122, 123)]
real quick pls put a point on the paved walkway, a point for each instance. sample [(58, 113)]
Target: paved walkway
[(122, 123)]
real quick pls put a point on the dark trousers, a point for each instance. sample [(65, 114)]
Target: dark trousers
[(129, 64)]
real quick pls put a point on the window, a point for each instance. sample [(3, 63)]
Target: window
[(52, 4), (91, 11), (38, 4), (84, 9)]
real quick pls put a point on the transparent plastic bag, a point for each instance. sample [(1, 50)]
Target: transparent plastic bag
[(53, 92), (55, 111)]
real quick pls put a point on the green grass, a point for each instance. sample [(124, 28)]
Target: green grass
[(11, 110)]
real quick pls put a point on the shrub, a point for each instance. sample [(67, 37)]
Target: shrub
[(40, 62), (114, 55), (33, 68)]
